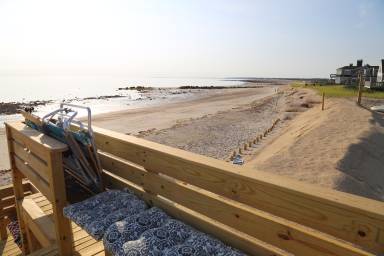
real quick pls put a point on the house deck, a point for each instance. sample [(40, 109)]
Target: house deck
[(259, 213), (83, 244)]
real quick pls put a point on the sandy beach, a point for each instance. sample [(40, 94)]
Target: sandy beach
[(338, 148), (139, 121)]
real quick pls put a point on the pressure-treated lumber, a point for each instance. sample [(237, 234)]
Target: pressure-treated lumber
[(33, 176), (56, 181), (7, 190), (40, 140), (279, 232), (31, 159), (352, 218), (39, 158), (83, 244), (18, 190), (41, 225), (7, 205), (230, 235), (259, 213)]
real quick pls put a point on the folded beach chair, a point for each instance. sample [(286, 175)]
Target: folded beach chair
[(81, 162)]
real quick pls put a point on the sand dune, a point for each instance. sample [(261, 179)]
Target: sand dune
[(340, 148)]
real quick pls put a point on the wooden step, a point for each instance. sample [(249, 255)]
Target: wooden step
[(48, 251), (40, 224)]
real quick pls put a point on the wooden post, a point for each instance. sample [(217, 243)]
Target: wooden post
[(360, 80), (322, 105), (17, 179), (63, 225), (233, 155), (3, 229)]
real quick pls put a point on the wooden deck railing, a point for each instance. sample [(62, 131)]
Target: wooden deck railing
[(253, 209), (259, 213), (38, 158), (7, 205)]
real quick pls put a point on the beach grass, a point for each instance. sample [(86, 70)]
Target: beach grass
[(341, 91)]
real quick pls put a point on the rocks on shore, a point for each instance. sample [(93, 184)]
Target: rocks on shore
[(104, 97), (137, 88), (10, 108), (189, 87)]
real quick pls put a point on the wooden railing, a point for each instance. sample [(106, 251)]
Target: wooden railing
[(259, 213), (7, 205), (262, 214), (38, 158)]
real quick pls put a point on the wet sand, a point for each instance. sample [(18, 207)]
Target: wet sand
[(140, 121)]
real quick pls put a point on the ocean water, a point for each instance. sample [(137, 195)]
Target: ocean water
[(30, 88), (74, 89)]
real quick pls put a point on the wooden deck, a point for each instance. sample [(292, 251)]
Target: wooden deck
[(258, 213), (83, 243)]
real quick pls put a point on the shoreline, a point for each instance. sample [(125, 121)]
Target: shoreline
[(307, 144), (133, 121), (125, 98), (11, 108)]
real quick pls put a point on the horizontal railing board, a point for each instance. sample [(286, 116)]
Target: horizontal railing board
[(352, 218), (33, 176), (37, 164), (9, 211), (10, 201), (7, 190), (233, 237), (279, 232), (41, 141)]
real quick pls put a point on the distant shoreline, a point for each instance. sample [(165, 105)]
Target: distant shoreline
[(167, 113), (11, 108)]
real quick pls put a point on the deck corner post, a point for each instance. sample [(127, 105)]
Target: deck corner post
[(64, 236), (17, 179)]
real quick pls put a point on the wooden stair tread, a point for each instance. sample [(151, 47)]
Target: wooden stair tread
[(83, 243), (40, 223)]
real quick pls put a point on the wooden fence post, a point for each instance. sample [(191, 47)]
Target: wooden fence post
[(322, 105), (360, 81)]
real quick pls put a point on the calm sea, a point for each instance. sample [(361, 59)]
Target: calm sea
[(75, 88), (29, 88)]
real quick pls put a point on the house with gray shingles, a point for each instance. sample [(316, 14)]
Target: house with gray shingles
[(348, 75)]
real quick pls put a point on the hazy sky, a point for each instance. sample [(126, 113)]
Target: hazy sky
[(192, 38)]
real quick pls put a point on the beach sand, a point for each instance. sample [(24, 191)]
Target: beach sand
[(139, 121), (219, 135), (341, 148)]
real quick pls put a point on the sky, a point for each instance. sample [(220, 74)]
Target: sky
[(194, 38)]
